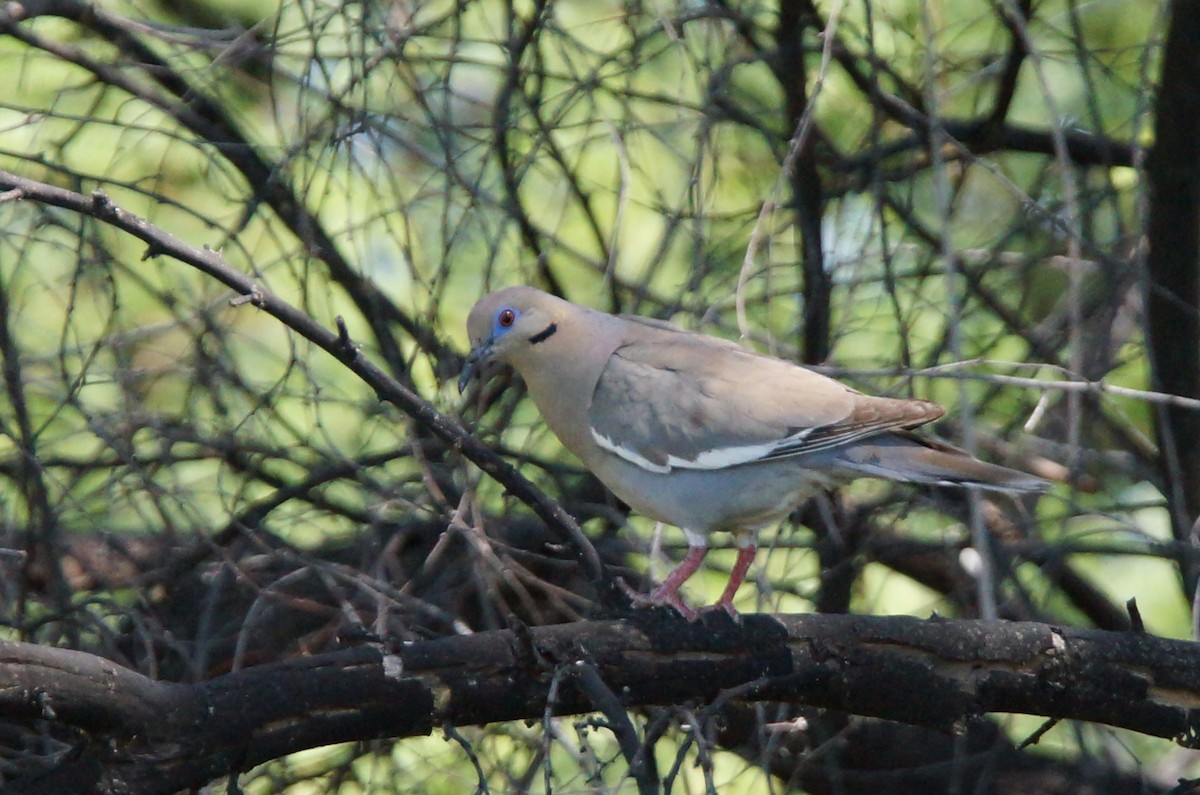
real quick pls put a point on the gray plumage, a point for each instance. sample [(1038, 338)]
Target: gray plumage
[(698, 432)]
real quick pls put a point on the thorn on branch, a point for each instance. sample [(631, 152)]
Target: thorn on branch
[(254, 297), (153, 250), (1037, 735), (102, 204), (345, 344), (1135, 615), (528, 656)]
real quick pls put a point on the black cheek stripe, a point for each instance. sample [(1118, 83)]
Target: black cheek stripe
[(544, 334)]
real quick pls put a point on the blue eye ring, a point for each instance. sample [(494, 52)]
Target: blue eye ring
[(506, 317)]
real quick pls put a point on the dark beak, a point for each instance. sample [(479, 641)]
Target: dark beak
[(477, 356)]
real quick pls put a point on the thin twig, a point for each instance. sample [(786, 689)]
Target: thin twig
[(387, 388)]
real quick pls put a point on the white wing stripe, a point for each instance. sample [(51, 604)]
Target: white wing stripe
[(719, 458), (724, 457), (629, 455)]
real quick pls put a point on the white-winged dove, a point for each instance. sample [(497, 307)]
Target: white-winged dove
[(700, 433)]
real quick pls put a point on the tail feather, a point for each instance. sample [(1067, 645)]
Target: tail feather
[(908, 457)]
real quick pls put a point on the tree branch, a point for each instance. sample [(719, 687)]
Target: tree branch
[(192, 107), (251, 291), (154, 737), (1173, 263)]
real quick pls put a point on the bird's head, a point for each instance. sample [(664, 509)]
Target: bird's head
[(507, 325)]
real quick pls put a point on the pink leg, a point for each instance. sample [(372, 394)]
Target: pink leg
[(745, 557), (668, 592)]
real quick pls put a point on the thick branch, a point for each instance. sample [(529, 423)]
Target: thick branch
[(1173, 298), (795, 17), (156, 737)]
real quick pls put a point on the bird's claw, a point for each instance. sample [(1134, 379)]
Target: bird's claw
[(727, 607), (660, 597)]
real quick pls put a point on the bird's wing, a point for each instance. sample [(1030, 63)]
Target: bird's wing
[(668, 399)]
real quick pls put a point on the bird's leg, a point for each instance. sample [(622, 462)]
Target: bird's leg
[(745, 557), (667, 593)]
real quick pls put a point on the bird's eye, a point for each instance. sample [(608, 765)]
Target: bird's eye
[(506, 318)]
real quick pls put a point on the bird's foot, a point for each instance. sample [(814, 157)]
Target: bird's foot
[(662, 596), (725, 605)]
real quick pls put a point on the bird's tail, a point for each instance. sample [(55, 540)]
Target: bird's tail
[(904, 456)]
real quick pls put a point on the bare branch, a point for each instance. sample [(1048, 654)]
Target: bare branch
[(154, 737), (212, 264)]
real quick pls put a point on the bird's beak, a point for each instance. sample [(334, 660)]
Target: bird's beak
[(477, 356)]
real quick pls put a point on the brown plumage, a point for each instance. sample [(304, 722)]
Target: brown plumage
[(700, 433)]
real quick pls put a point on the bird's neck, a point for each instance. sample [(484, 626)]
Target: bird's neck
[(563, 377)]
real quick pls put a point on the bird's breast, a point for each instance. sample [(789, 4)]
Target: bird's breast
[(745, 497)]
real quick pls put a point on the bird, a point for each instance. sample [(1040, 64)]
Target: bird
[(701, 433)]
